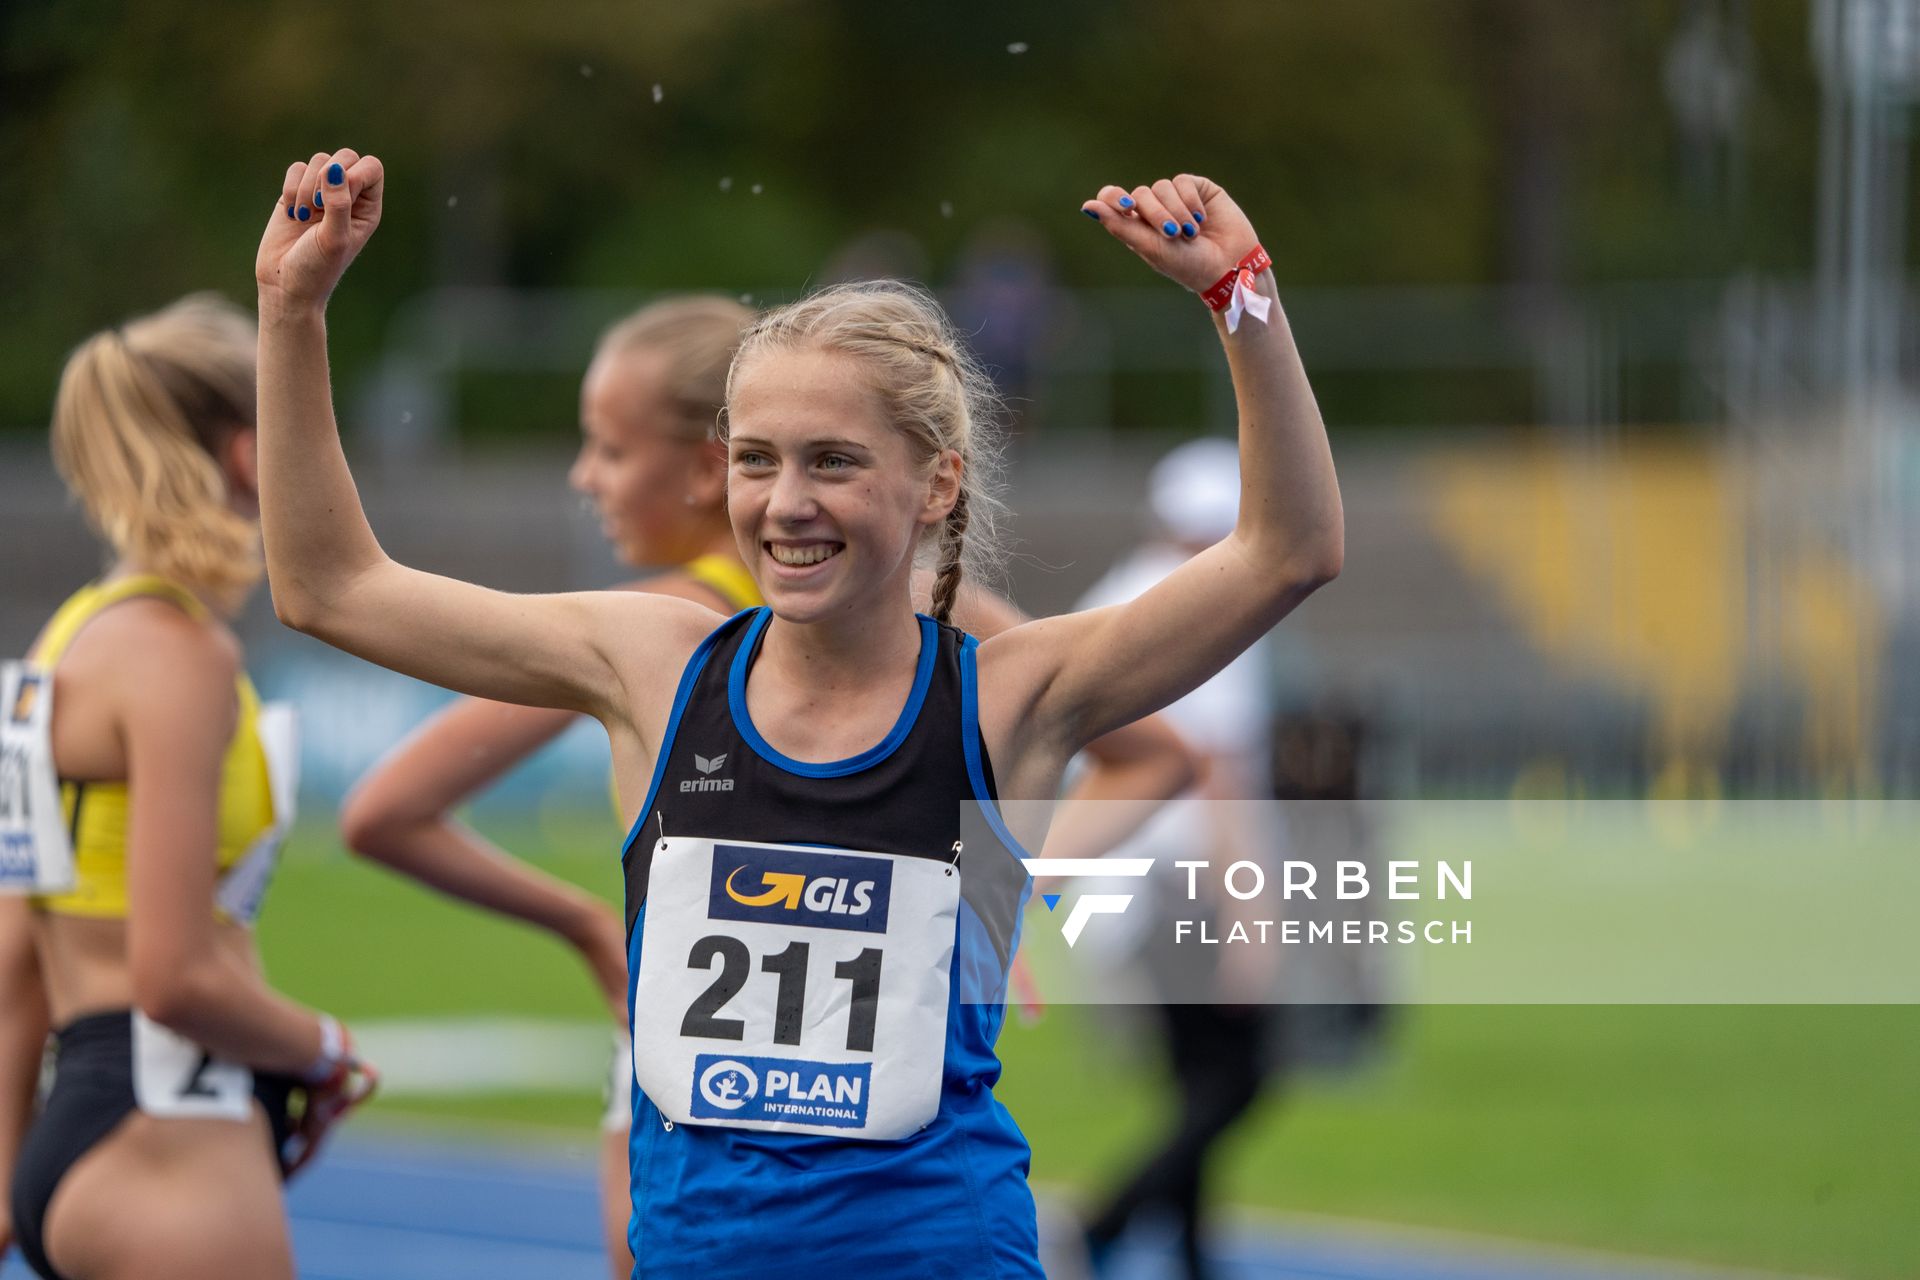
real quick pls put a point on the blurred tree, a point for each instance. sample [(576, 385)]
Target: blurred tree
[(1392, 142)]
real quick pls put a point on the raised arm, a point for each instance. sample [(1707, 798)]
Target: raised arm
[(1082, 674), (1133, 769), (328, 574)]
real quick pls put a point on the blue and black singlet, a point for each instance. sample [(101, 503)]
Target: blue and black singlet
[(948, 1200)]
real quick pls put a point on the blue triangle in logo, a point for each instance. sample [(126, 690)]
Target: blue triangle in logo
[(1052, 900)]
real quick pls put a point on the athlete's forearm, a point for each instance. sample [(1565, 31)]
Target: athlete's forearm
[(1290, 523), (224, 1006), (23, 1030), (449, 759), (317, 536), (458, 861)]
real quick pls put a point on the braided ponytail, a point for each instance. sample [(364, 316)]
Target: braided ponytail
[(953, 539)]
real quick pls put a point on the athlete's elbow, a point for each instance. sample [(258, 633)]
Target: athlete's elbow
[(1303, 570), (363, 828), (369, 826), (1316, 558), (174, 993), (1325, 564), (294, 608)]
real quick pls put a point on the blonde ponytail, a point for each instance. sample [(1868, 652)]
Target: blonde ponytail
[(141, 413)]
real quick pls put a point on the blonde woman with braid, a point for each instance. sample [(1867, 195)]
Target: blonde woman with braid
[(160, 1149), (655, 474), (820, 928)]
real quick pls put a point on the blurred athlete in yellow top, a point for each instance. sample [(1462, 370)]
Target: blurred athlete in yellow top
[(160, 1149), (653, 470)]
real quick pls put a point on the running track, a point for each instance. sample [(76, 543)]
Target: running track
[(382, 1208)]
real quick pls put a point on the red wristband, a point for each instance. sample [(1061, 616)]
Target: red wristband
[(1221, 292)]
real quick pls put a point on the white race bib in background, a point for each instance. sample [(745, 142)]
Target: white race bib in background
[(176, 1079), (243, 888), (36, 850)]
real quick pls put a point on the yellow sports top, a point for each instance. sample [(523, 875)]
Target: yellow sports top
[(726, 578), (97, 811)]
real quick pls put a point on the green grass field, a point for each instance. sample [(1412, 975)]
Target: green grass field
[(1776, 1137)]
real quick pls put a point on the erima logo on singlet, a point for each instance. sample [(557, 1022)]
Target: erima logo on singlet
[(799, 886), (708, 765)]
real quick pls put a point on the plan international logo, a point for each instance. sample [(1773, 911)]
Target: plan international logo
[(709, 767), (748, 1088)]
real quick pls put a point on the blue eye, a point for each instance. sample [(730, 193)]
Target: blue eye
[(836, 461)]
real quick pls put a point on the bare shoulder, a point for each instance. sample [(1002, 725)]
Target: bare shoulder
[(1018, 664), (147, 657), (649, 636), (678, 585), (151, 636), (669, 610)]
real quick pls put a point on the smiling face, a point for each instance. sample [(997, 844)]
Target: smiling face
[(827, 499), (656, 487)]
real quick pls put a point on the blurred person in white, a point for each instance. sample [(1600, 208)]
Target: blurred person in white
[(1215, 1015)]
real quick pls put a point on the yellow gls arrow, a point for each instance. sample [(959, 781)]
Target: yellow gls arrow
[(784, 884)]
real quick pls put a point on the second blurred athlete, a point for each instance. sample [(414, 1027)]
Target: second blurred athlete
[(159, 1150)]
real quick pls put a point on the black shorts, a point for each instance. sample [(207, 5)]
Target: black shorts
[(92, 1093)]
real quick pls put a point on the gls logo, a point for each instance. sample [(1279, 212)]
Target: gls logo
[(788, 888), (799, 886), (704, 765), (1088, 905)]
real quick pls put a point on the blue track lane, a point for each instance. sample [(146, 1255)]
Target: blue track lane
[(382, 1208)]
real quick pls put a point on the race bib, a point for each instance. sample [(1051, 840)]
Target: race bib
[(794, 988), (243, 889), (36, 851), (176, 1079)]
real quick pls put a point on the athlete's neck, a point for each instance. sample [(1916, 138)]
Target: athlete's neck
[(854, 650), (216, 604)]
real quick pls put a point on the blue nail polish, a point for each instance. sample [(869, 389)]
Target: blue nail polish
[(1126, 202), (1170, 228), (1188, 230), (1092, 213), (289, 211), (304, 213), (335, 174), (318, 203), (1199, 216)]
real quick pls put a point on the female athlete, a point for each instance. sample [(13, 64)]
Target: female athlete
[(821, 896), (160, 1149), (656, 475)]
